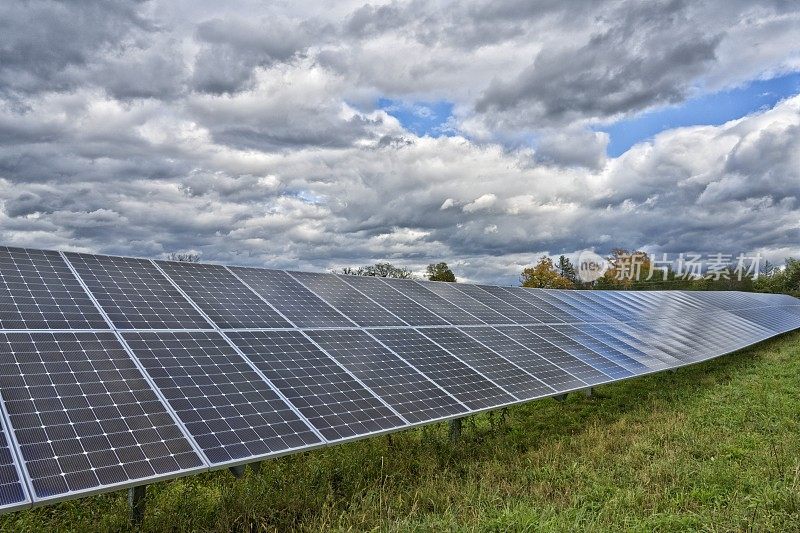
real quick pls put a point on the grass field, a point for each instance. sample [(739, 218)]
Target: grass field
[(712, 447)]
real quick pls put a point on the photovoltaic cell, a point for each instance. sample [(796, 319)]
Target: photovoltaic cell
[(472, 389), (394, 301), (84, 416), (449, 292), (347, 300), (38, 291), (609, 352), (532, 296), (295, 302), (327, 395), (545, 371), (776, 318), (11, 492), (501, 371), (555, 355), (582, 315), (229, 410), (134, 294), (413, 395), (429, 300), (222, 297), (601, 333), (535, 315), (496, 304), (580, 351), (644, 341)]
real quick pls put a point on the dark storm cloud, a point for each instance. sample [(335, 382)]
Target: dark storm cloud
[(47, 45), (648, 54), (233, 47)]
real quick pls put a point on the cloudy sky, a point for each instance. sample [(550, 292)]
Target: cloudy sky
[(316, 135)]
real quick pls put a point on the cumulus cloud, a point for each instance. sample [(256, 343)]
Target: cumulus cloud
[(252, 135)]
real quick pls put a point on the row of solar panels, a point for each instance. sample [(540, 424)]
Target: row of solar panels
[(120, 371)]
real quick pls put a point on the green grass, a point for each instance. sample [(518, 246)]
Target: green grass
[(712, 447)]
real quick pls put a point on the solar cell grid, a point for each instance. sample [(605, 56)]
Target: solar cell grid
[(394, 301), (327, 395), (11, 492), (469, 387), (601, 333), (222, 297), (84, 416), (554, 354), (609, 352), (579, 315), (532, 296), (449, 292), (413, 395), (555, 378), (228, 409), (535, 314), (776, 319), (295, 302), (134, 294), (501, 371), (451, 313), (588, 356), (496, 304), (38, 291), (661, 343), (349, 301), (582, 301)]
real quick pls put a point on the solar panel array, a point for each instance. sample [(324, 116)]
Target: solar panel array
[(115, 372)]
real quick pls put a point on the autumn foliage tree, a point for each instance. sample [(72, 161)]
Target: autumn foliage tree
[(544, 275)]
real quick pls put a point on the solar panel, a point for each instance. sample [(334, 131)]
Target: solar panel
[(186, 367), (451, 313), (291, 299), (597, 346), (581, 314), (642, 340), (662, 344), (601, 332), (778, 319), (532, 296), (12, 494), (535, 314), (414, 396), (457, 378), (347, 300), (84, 416), (231, 412), (555, 355), (486, 361), (38, 291), (449, 292), (394, 301), (588, 356), (222, 297), (553, 377), (134, 294), (498, 305), (324, 392), (578, 301)]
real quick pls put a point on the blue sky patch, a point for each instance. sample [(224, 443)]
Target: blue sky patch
[(422, 118), (710, 109)]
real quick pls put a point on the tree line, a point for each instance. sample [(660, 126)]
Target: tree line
[(562, 274)]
